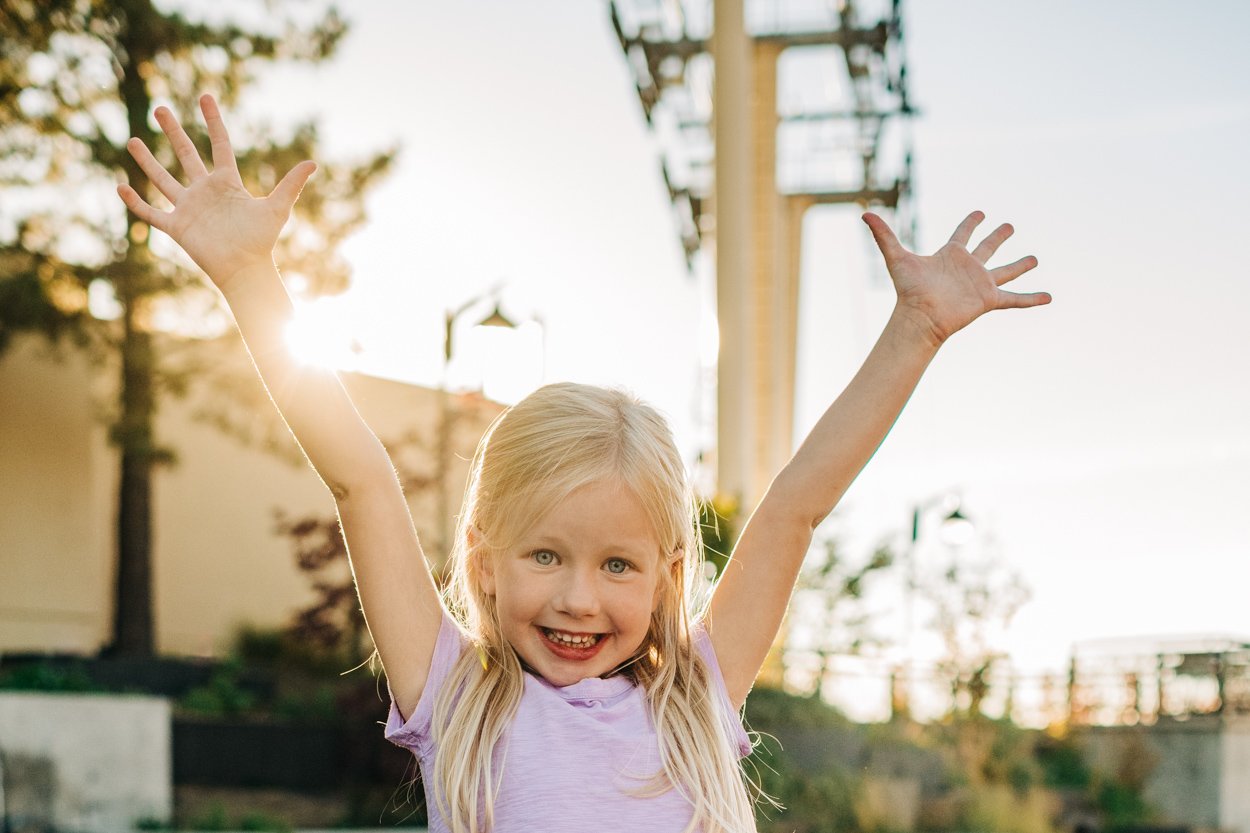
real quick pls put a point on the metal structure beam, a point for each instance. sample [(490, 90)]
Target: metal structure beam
[(749, 221)]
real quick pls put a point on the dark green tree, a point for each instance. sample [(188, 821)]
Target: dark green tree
[(77, 79)]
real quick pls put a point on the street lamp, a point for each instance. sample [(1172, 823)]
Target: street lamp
[(442, 465), (956, 530)]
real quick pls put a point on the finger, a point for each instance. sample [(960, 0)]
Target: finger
[(223, 153), (986, 248), (1021, 300), (140, 208), (963, 233), (183, 147), (288, 190), (161, 178), (1011, 271), (887, 242)]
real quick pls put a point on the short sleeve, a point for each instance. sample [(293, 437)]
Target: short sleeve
[(732, 721), (414, 733)]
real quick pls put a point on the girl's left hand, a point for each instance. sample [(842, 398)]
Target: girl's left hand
[(949, 289)]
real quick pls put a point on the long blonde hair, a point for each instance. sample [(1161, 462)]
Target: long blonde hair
[(557, 439)]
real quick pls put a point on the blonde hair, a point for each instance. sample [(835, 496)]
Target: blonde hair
[(557, 439)]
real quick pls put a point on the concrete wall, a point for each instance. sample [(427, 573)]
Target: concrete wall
[(1235, 787), (85, 762), (1182, 763), (217, 561)]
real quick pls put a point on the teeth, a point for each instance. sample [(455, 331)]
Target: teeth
[(575, 641)]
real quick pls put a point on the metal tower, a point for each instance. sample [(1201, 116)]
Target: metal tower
[(775, 108)]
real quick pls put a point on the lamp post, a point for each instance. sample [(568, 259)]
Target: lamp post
[(956, 529), (442, 464)]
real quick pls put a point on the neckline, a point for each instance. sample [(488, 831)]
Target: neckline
[(592, 688)]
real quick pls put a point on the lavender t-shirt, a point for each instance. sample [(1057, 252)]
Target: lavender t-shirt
[(573, 754)]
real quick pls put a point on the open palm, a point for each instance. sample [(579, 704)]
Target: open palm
[(214, 218), (949, 289)]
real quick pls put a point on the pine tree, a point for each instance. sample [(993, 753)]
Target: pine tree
[(77, 79)]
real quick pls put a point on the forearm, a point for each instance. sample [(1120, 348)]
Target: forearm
[(311, 399), (854, 426)]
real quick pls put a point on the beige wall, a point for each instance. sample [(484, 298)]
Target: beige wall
[(217, 560)]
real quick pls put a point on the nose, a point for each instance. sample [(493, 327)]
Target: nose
[(578, 595)]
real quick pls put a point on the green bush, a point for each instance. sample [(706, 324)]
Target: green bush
[(222, 697), (263, 821), (811, 802), (319, 706), (45, 677)]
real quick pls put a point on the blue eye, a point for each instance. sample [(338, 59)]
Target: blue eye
[(544, 558), (617, 565)]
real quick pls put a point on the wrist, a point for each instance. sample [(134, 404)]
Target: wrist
[(914, 325), (239, 277)]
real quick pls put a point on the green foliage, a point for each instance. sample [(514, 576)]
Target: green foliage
[(287, 650), (769, 707), (265, 646), (1062, 764), (45, 677), (717, 518), (811, 801), (1121, 805), (214, 817), (317, 706), (223, 696), (263, 821)]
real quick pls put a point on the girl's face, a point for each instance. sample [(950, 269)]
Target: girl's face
[(575, 595)]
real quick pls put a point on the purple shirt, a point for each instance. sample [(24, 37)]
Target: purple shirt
[(573, 754)]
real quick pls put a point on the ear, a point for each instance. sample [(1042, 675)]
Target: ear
[(486, 573), (485, 564), (671, 567), (481, 562)]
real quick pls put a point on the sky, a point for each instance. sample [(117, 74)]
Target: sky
[(1101, 445)]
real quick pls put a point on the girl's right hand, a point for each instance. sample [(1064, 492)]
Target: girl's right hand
[(217, 222)]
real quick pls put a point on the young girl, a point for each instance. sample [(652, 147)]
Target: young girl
[(565, 681)]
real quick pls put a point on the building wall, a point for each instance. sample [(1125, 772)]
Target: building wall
[(218, 561), (54, 527), (1183, 762)]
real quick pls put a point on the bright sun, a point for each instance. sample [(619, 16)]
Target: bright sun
[(322, 334)]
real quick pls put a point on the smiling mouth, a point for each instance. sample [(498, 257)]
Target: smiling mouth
[(565, 639)]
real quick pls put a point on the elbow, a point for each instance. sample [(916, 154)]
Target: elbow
[(805, 503), (378, 473), (338, 490)]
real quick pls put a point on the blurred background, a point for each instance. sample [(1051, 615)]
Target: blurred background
[(1027, 612)]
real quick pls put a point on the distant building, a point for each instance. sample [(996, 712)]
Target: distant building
[(217, 560), (1173, 714)]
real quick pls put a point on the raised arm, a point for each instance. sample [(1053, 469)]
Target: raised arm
[(230, 234), (937, 296)]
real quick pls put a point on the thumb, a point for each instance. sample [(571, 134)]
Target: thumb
[(890, 248), (288, 190)]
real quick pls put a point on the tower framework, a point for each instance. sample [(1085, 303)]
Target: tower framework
[(765, 110)]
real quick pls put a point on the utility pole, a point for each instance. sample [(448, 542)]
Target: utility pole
[(722, 177)]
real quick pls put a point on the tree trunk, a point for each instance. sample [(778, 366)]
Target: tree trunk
[(133, 631)]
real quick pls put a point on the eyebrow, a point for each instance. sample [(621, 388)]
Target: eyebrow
[(609, 550)]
